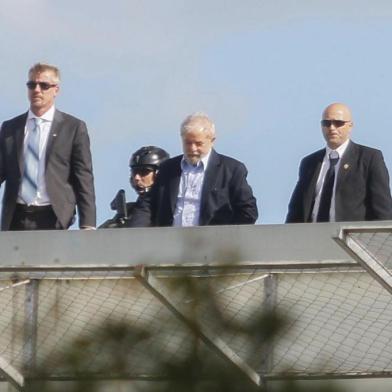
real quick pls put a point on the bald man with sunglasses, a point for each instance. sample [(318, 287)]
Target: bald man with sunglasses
[(344, 181), (45, 162)]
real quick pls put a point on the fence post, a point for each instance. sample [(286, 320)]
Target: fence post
[(267, 347), (31, 318)]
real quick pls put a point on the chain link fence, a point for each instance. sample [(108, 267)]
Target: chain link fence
[(338, 316)]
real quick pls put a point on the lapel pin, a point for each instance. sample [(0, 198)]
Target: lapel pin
[(346, 166)]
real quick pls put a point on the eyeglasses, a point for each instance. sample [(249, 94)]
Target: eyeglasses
[(43, 85), (335, 123), (142, 171)]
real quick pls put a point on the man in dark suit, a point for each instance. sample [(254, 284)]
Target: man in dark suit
[(200, 187), (45, 161), (344, 181)]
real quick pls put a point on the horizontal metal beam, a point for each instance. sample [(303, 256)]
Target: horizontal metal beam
[(201, 245)]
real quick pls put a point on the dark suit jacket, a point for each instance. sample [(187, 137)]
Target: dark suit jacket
[(226, 199), (362, 187), (68, 176)]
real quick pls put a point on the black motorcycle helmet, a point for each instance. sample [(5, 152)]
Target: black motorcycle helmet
[(146, 158)]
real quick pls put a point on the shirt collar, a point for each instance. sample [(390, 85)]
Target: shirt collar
[(47, 116), (340, 150)]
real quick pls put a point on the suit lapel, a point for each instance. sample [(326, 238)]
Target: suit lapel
[(346, 165), (208, 183), (311, 188), (54, 130), (174, 184), (19, 138)]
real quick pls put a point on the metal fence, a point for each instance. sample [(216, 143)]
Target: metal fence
[(338, 314)]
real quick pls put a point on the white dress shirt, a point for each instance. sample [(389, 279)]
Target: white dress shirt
[(187, 212), (320, 181), (42, 197)]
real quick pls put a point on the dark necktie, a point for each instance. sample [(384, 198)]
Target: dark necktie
[(326, 193)]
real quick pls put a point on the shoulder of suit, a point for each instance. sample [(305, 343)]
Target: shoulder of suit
[(66, 116), (314, 155), (319, 154), (171, 162), (22, 118), (9, 127), (364, 149), (17, 119), (225, 159)]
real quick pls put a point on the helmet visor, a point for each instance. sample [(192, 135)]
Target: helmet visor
[(141, 170)]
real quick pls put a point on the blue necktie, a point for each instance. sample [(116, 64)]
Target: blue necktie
[(30, 173), (326, 193)]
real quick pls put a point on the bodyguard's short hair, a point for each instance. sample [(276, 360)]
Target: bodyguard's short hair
[(199, 121), (43, 67)]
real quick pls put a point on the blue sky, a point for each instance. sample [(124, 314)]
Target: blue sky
[(262, 70)]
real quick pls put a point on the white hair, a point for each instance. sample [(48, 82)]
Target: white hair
[(198, 121)]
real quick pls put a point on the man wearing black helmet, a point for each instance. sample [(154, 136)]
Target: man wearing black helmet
[(144, 165)]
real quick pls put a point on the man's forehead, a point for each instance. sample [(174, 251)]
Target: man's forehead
[(337, 116), (334, 115), (195, 134), (43, 75)]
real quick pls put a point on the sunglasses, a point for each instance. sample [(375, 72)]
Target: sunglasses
[(43, 85), (336, 123), (141, 171)]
